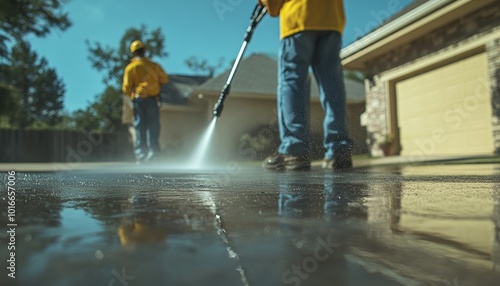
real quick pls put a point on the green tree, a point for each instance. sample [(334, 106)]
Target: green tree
[(40, 91), (18, 19), (354, 75), (9, 105), (202, 66), (104, 114)]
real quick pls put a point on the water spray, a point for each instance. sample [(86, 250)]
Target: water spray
[(199, 155), (258, 13), (196, 161)]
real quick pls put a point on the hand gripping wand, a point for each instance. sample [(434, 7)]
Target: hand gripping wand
[(258, 13)]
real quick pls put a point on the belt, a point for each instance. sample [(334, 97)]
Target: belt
[(147, 97)]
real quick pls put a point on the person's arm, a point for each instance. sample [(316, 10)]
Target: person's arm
[(273, 6), (126, 86), (162, 75)]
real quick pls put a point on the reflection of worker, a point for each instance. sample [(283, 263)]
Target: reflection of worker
[(315, 252), (141, 82), (496, 220), (137, 232), (143, 227), (310, 37)]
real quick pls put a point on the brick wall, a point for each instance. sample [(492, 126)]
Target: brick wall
[(493, 53), (459, 32), (376, 113)]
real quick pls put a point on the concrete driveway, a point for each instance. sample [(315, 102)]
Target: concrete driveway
[(157, 225)]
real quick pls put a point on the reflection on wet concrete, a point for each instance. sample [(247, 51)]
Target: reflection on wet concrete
[(496, 221), (420, 225)]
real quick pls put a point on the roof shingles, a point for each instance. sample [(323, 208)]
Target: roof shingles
[(180, 87), (256, 74)]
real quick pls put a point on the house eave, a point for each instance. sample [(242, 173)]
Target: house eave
[(405, 29), (190, 107), (213, 95)]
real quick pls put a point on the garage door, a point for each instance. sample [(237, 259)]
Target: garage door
[(446, 111)]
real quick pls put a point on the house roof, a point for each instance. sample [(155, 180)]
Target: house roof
[(257, 75), (414, 21), (411, 6), (405, 10), (180, 87), (401, 19)]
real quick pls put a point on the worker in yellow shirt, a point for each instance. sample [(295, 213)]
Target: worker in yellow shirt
[(141, 82), (311, 36)]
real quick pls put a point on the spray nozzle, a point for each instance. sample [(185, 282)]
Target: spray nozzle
[(218, 109)]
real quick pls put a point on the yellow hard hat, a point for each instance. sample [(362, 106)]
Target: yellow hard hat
[(136, 45)]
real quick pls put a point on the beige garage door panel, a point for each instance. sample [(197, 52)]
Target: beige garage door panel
[(446, 111)]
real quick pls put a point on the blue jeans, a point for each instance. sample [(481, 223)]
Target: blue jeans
[(147, 128), (320, 51)]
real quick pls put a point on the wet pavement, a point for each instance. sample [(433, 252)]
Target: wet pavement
[(412, 225)]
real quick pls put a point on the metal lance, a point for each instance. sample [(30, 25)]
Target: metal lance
[(257, 15)]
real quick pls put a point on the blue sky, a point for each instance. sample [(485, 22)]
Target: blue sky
[(208, 29)]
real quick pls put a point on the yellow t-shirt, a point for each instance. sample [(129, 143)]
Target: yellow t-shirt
[(142, 78), (303, 15)]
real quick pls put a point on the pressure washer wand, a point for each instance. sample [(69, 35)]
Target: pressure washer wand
[(258, 13)]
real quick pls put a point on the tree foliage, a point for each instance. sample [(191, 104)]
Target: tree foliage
[(21, 17), (104, 114), (30, 90), (111, 61), (9, 104), (356, 76), (202, 66), (39, 91)]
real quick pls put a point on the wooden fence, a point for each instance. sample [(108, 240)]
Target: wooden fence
[(63, 146)]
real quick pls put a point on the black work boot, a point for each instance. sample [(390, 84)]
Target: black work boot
[(281, 162), (341, 161)]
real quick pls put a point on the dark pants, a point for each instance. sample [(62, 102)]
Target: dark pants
[(147, 128)]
